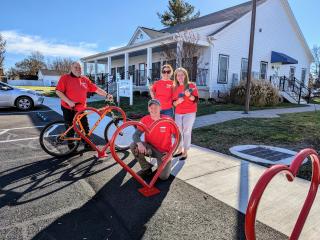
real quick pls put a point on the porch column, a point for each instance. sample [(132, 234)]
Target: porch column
[(85, 68), (95, 71), (149, 63), (126, 65), (179, 54), (109, 65), (210, 81)]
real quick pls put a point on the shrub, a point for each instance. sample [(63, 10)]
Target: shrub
[(262, 94)]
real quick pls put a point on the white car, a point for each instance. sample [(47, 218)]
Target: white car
[(23, 99)]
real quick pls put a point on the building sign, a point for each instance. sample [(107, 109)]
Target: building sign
[(125, 89)]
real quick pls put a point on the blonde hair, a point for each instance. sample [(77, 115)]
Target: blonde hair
[(186, 77), (167, 66)]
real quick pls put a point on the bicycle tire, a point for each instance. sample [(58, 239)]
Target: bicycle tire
[(69, 152), (115, 123)]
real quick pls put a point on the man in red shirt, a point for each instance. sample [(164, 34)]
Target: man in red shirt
[(72, 89), (157, 143)]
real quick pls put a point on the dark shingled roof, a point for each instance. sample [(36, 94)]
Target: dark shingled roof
[(228, 14), (153, 33)]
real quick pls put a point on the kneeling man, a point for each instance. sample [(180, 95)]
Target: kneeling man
[(157, 143)]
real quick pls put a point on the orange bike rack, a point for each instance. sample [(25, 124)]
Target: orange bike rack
[(101, 112), (148, 188), (291, 173)]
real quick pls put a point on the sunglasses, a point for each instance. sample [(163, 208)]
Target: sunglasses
[(167, 72)]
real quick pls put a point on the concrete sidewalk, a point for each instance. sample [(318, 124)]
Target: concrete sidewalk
[(223, 116), (232, 180)]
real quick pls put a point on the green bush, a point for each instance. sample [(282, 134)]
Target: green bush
[(262, 94)]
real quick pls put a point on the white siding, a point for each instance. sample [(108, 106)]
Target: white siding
[(278, 34)]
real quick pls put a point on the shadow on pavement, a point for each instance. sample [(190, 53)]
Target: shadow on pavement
[(115, 196)]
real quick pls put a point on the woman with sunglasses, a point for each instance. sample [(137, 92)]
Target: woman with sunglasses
[(185, 96), (162, 90)]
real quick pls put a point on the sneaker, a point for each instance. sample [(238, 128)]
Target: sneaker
[(145, 173), (177, 154), (183, 158)]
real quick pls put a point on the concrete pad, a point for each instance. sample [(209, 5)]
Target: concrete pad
[(281, 202)]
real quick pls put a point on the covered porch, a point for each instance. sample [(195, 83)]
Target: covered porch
[(142, 62)]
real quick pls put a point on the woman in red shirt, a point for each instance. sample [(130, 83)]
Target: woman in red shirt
[(185, 96), (162, 90)]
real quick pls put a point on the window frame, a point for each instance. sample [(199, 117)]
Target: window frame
[(241, 79), (266, 73), (227, 70)]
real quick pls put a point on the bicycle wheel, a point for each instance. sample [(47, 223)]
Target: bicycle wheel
[(124, 139), (51, 142)]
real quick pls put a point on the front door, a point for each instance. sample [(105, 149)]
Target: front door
[(142, 74)]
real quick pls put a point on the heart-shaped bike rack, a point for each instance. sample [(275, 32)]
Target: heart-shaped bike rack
[(148, 188), (291, 173), (101, 151)]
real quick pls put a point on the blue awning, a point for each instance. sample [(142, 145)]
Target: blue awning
[(277, 57)]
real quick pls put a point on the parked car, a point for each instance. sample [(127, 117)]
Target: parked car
[(23, 99)]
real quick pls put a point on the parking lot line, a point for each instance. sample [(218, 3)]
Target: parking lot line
[(9, 129), (10, 113), (16, 140)]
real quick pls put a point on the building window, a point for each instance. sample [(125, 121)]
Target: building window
[(223, 68), (244, 69), (303, 76), (263, 70), (292, 72)]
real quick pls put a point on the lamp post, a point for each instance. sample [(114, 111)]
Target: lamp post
[(249, 75)]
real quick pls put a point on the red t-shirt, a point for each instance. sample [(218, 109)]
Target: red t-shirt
[(163, 92), (161, 136), (76, 89), (187, 106)]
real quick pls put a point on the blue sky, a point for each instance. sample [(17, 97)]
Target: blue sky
[(79, 28)]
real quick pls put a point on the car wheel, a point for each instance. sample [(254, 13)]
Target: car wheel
[(24, 103)]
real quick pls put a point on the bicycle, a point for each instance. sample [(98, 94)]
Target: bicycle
[(55, 141)]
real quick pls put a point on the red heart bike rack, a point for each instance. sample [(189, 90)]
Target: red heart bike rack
[(148, 189), (291, 173), (101, 112)]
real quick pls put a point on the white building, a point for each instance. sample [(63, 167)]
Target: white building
[(49, 78), (224, 39)]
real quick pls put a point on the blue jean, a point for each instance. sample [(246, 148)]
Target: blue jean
[(168, 112)]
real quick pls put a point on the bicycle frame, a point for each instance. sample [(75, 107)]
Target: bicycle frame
[(102, 112)]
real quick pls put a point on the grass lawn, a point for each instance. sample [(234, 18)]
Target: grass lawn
[(47, 91), (292, 131), (204, 108)]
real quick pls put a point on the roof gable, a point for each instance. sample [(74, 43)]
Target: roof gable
[(143, 34)]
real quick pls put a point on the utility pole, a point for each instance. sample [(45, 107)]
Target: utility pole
[(249, 75)]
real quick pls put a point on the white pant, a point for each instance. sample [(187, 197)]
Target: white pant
[(185, 123)]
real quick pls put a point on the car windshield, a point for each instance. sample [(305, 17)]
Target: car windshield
[(5, 84)]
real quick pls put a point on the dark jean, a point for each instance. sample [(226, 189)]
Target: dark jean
[(168, 112)]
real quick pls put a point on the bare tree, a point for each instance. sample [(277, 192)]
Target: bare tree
[(2, 52), (62, 65), (28, 67), (187, 52)]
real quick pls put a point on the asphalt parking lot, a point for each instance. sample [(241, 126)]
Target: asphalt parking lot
[(82, 197)]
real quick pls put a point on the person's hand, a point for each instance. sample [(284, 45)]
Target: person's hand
[(141, 148), (71, 104), (187, 93), (109, 98)]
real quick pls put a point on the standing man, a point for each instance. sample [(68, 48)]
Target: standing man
[(157, 143), (72, 89)]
